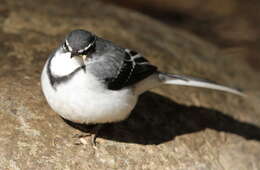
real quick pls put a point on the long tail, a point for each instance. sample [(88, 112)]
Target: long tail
[(195, 82)]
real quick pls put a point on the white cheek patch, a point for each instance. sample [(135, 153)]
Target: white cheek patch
[(62, 64)]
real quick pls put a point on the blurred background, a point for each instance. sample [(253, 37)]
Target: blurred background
[(233, 25)]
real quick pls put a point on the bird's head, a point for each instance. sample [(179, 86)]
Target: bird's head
[(79, 43), (76, 47)]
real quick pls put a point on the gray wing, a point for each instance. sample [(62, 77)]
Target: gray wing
[(134, 68), (119, 68)]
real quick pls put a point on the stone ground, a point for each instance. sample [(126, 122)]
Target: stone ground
[(232, 25), (175, 128)]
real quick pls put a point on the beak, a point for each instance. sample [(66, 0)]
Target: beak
[(74, 54), (84, 57)]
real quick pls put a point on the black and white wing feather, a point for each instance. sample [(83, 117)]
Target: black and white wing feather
[(134, 69)]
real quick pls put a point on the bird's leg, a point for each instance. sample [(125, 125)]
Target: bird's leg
[(94, 135)]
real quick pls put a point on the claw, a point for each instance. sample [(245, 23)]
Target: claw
[(77, 135)]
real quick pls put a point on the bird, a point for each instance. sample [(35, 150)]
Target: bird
[(91, 80)]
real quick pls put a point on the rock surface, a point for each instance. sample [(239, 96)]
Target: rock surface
[(231, 24), (171, 127)]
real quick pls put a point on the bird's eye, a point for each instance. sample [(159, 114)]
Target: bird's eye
[(65, 47)]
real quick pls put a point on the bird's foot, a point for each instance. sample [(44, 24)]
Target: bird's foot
[(82, 137)]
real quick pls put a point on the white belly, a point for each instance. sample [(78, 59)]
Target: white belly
[(85, 100)]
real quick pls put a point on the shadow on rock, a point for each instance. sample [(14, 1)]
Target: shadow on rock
[(157, 119)]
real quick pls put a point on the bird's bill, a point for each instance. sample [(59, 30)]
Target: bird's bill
[(78, 55), (84, 57)]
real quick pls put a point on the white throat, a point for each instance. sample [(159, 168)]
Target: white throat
[(62, 64)]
